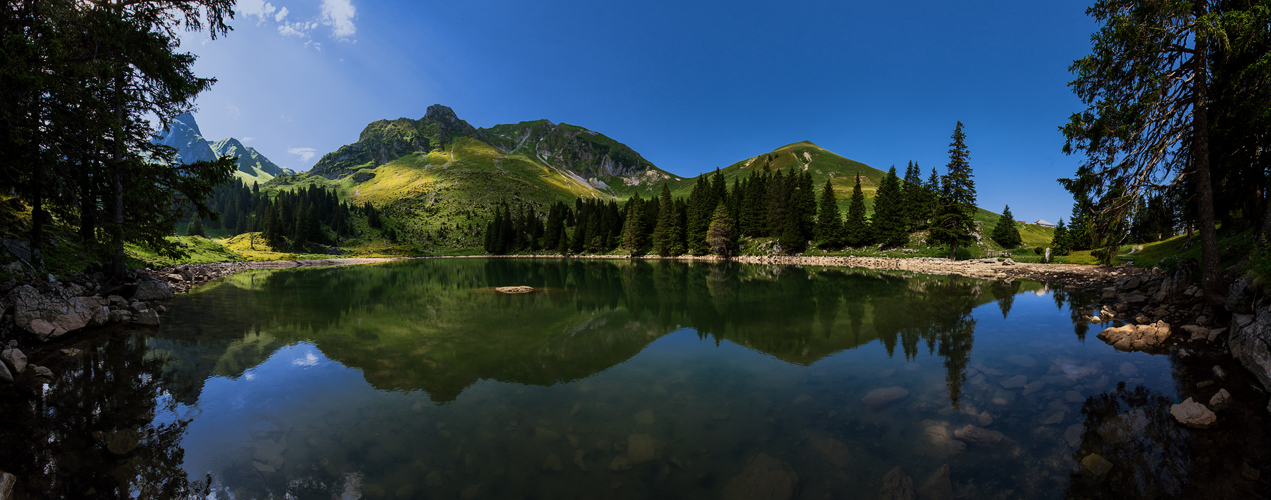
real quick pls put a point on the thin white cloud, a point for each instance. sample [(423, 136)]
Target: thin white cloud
[(294, 29), (259, 8), (305, 154), (234, 112), (247, 139), (339, 15)]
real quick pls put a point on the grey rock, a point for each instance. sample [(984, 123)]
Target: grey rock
[(938, 486), (1095, 465), (1015, 382), (1220, 401), (1136, 337), (1250, 342), (897, 486), (15, 359), (831, 450), (150, 289), (1219, 372), (120, 316), (42, 373), (938, 441), (1193, 414), (640, 448), (148, 317), (5, 375), (7, 482), (48, 316), (884, 396), (982, 437), (764, 478)]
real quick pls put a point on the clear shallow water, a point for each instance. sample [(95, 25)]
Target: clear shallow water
[(620, 380)]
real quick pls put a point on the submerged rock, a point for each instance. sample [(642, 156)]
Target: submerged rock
[(1193, 414), (884, 396), (831, 450), (938, 487), (937, 441), (897, 486), (981, 437), (1015, 382), (1123, 427), (764, 478), (640, 448), (1095, 465)]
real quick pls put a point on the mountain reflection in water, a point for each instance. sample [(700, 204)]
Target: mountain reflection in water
[(417, 380)]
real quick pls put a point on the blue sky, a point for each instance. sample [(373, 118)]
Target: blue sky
[(690, 85)]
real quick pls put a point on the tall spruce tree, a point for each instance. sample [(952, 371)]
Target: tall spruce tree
[(633, 239), (1006, 233), (914, 197), (722, 233), (890, 224), (663, 232), (953, 224), (856, 230), (829, 223)]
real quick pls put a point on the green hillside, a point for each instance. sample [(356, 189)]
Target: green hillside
[(439, 179)]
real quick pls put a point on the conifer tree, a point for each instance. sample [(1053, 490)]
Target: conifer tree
[(953, 224), (722, 233), (778, 204), (829, 223), (1061, 242), (679, 230), (856, 231), (889, 224), (914, 197), (662, 232), (633, 230), (1006, 233), (195, 228)]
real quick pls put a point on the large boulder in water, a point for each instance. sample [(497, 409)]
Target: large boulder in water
[(1193, 414), (1250, 342), (152, 289)]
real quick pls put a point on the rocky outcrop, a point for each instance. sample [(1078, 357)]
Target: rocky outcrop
[(1250, 343), (48, 308), (1137, 337), (48, 316)]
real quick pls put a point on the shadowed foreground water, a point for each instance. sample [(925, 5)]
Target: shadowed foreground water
[(622, 380)]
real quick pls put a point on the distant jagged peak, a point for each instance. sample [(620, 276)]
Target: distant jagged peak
[(187, 120)]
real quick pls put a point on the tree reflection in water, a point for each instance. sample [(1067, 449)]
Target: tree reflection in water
[(1132, 429), (98, 430)]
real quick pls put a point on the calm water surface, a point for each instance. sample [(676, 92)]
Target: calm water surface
[(616, 380)]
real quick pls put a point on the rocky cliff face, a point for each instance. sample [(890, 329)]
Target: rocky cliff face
[(587, 153), (184, 135), (1250, 343), (250, 161), (386, 140)]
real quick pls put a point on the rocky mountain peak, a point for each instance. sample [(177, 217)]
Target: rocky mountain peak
[(447, 119)]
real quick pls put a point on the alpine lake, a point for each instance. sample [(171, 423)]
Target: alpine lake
[(623, 379)]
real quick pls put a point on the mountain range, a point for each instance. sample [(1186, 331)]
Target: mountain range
[(440, 174), (184, 135)]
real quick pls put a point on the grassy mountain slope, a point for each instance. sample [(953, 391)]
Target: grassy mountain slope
[(252, 166)]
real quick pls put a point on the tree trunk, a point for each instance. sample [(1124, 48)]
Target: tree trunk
[(1211, 264), (118, 268)]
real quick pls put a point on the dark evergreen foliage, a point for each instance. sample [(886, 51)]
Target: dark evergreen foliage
[(890, 222), (953, 224), (856, 230), (1006, 233), (829, 223)]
